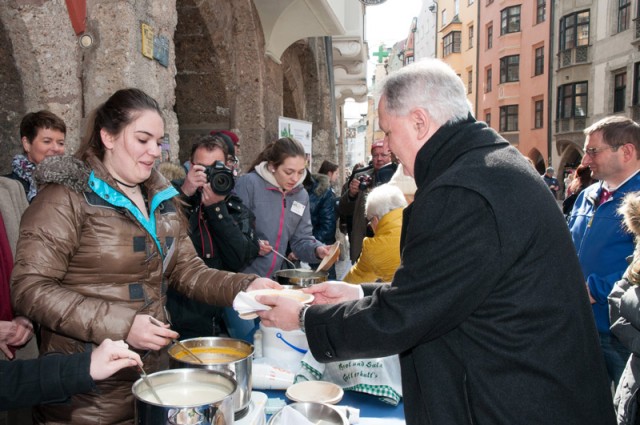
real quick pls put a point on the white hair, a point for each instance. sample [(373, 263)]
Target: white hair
[(429, 84), (384, 199)]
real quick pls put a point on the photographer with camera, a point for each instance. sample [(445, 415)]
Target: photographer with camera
[(220, 226), (352, 201)]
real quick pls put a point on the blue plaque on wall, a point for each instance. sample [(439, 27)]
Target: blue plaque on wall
[(161, 50)]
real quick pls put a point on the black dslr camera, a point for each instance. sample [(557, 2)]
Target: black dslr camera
[(220, 177), (365, 182)]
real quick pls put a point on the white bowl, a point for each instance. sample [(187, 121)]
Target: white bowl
[(315, 391)]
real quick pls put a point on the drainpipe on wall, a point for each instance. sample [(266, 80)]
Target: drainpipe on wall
[(549, 89), (477, 38), (328, 43)]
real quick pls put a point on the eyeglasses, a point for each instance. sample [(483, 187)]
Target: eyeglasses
[(592, 152), (232, 160)]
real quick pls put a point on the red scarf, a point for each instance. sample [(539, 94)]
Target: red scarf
[(6, 266)]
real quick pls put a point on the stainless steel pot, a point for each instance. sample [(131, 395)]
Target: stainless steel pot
[(299, 278), (189, 396), (226, 355), (316, 413)]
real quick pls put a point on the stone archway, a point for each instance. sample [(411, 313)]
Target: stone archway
[(538, 160), (570, 158), (306, 88), (220, 73), (12, 107), (202, 102), (38, 70)]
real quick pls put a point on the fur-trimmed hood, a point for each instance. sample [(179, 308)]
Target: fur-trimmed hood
[(322, 184), (630, 210), (74, 173), (65, 170)]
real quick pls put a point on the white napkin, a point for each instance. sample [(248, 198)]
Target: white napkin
[(290, 416), (246, 306)]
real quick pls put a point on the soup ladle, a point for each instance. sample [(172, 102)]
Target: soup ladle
[(175, 341), (146, 380), (284, 258)]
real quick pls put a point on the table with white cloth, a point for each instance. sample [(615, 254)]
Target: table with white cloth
[(372, 410)]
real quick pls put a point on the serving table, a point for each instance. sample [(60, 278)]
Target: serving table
[(372, 410)]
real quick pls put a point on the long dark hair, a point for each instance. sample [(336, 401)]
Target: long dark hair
[(120, 110), (327, 167), (276, 152), (581, 179)]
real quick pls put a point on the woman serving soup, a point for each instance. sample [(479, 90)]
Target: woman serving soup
[(98, 248)]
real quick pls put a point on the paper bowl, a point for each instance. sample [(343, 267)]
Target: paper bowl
[(315, 391), (287, 293)]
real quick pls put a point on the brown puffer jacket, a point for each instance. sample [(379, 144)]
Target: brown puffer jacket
[(85, 266)]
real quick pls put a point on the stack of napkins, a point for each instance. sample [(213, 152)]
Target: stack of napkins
[(290, 416)]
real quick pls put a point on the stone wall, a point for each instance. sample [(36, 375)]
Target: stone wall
[(218, 74)]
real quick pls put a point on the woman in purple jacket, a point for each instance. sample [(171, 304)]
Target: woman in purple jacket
[(273, 191)]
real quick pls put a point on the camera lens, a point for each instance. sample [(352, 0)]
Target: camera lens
[(222, 183), (220, 177)]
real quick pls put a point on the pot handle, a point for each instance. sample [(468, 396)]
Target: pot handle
[(298, 349)]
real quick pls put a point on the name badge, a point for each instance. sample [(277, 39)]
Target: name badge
[(297, 208)]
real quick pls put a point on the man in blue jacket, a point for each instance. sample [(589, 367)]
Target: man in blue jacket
[(612, 150)]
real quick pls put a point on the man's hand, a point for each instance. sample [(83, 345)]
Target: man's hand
[(591, 299), (333, 292), (209, 197), (196, 178), (283, 314), (111, 356), (354, 188)]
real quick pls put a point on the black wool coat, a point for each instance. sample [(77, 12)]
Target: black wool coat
[(488, 309)]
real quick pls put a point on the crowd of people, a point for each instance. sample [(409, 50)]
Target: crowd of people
[(494, 318)]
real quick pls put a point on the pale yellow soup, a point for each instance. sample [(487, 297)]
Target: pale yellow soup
[(184, 394)]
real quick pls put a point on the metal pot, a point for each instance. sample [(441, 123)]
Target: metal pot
[(189, 396), (299, 278), (226, 355), (316, 413)]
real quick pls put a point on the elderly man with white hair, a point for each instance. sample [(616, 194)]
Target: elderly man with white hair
[(491, 327), (380, 255)]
